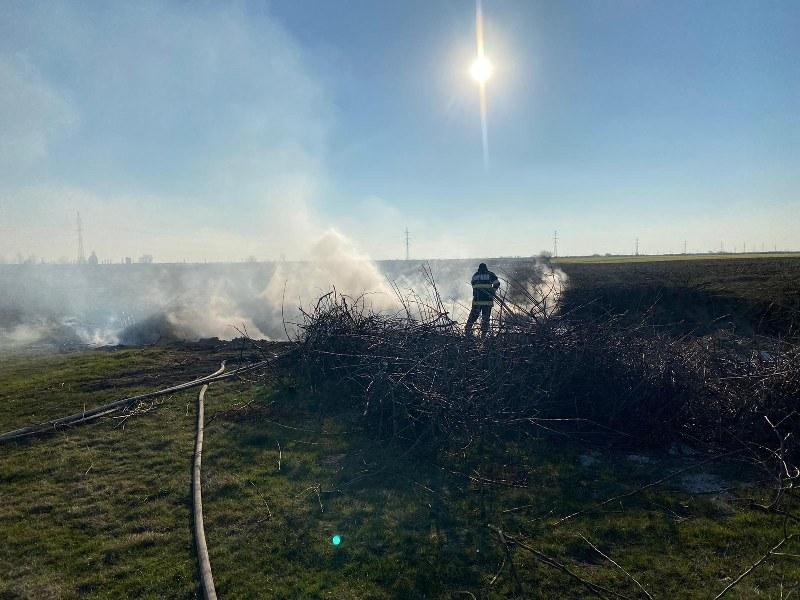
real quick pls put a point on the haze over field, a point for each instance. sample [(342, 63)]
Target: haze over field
[(218, 132), (317, 132), (96, 305)]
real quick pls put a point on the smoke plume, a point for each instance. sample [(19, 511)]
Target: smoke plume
[(95, 305)]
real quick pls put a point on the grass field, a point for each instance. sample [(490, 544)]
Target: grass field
[(749, 296), (642, 258), (103, 511)]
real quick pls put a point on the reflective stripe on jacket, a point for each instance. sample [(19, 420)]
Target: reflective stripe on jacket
[(484, 286)]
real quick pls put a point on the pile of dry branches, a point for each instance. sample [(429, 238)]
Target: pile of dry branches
[(413, 375), (414, 372)]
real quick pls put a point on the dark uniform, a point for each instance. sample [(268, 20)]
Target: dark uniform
[(484, 286)]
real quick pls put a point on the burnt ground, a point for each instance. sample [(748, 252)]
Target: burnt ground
[(752, 296)]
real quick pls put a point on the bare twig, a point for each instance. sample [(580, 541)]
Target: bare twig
[(596, 589), (616, 564), (752, 567)]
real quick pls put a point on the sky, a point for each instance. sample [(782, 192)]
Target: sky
[(217, 131)]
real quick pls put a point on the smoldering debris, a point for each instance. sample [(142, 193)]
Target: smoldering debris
[(537, 287), (152, 330), (95, 305), (413, 375), (154, 303)]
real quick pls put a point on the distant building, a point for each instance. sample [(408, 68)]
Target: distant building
[(93, 258), (146, 259), (128, 260)]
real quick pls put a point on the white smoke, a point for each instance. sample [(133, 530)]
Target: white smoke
[(99, 305), (248, 186), (140, 304), (335, 264), (536, 288)]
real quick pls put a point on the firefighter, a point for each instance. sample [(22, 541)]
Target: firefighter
[(484, 287)]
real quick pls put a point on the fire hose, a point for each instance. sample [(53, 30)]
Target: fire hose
[(99, 411), (206, 577)]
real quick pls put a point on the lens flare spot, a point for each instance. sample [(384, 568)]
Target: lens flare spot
[(336, 540)]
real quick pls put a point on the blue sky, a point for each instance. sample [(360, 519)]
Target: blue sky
[(203, 131)]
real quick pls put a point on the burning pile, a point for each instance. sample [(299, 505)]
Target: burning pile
[(413, 373)]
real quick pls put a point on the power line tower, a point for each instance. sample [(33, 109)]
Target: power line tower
[(555, 243), (407, 245), (684, 246), (81, 253), (636, 253)]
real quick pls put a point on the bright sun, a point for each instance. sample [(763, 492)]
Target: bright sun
[(481, 69)]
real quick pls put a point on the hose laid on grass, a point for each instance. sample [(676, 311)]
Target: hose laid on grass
[(89, 415), (206, 578)]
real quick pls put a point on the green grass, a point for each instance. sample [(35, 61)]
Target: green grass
[(103, 511)]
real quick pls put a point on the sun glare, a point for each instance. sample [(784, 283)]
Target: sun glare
[(481, 69)]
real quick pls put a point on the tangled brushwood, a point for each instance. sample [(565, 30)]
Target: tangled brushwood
[(414, 373)]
